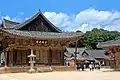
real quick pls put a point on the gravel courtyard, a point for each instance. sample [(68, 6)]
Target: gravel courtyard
[(69, 75)]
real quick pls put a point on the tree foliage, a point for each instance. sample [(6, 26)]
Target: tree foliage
[(91, 38)]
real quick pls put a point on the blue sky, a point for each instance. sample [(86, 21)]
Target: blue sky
[(67, 13)]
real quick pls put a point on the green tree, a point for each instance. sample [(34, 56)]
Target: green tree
[(91, 38)]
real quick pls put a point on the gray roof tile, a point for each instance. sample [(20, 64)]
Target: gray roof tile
[(109, 43), (8, 23), (34, 17), (97, 53), (37, 34), (92, 53)]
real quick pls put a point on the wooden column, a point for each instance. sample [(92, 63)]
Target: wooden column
[(117, 58), (50, 57), (11, 58), (62, 56), (27, 59), (8, 61), (14, 57), (5, 57)]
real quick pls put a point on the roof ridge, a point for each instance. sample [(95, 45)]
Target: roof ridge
[(32, 18), (10, 21), (50, 23), (26, 21)]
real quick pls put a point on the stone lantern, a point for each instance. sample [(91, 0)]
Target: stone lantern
[(32, 62)]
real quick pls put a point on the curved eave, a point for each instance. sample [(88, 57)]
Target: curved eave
[(43, 35), (8, 24), (112, 43), (108, 46)]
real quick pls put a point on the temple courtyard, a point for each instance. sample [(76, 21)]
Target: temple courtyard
[(103, 74)]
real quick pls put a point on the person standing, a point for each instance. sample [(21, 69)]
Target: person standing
[(82, 66), (90, 67)]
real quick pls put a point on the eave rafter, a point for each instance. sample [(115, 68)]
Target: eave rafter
[(14, 40), (30, 42)]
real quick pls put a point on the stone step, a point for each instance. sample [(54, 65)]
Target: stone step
[(44, 69)]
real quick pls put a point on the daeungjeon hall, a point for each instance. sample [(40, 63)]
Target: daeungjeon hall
[(37, 35)]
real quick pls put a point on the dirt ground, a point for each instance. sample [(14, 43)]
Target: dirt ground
[(69, 75)]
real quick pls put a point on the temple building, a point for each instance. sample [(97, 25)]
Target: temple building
[(113, 50), (88, 56), (37, 35)]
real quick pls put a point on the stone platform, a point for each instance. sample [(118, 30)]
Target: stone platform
[(38, 69)]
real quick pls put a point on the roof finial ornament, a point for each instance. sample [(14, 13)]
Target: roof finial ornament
[(39, 10)]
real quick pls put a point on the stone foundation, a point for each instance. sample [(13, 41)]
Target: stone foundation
[(38, 69), (63, 68)]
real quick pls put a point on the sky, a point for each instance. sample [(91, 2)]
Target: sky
[(68, 15)]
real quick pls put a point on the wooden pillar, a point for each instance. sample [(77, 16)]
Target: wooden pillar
[(50, 57), (8, 61), (75, 51), (5, 57), (28, 53), (11, 58), (117, 59), (62, 56), (14, 57)]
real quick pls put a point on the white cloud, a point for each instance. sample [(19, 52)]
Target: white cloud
[(86, 20), (59, 19), (21, 13), (16, 19)]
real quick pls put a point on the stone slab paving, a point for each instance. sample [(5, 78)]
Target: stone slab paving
[(68, 75)]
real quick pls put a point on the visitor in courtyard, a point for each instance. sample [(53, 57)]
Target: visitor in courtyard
[(65, 61), (82, 66), (77, 67), (2, 62), (97, 66), (91, 67), (68, 64)]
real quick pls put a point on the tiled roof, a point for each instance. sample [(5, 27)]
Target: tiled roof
[(9, 24), (37, 34), (97, 53), (92, 53), (109, 43), (72, 50), (34, 17)]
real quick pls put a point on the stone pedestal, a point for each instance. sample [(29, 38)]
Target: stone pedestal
[(32, 61)]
